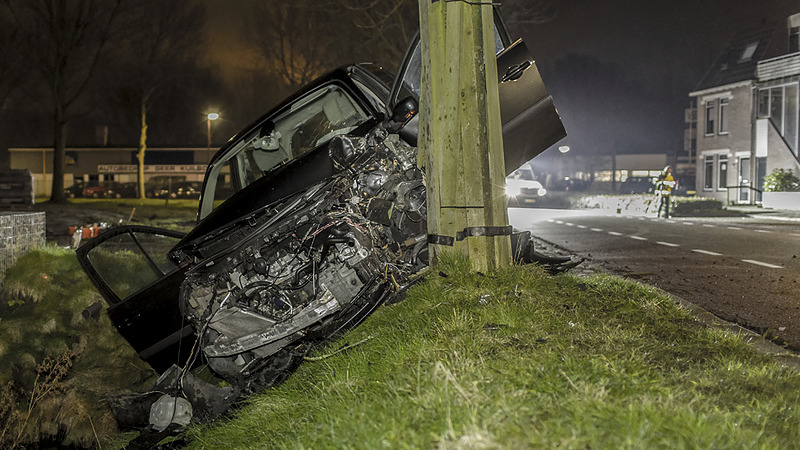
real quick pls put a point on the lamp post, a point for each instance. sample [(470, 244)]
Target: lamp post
[(209, 118)]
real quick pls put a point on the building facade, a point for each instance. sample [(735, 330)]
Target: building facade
[(747, 114), (96, 165)]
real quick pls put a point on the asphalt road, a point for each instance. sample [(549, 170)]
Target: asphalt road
[(744, 269)]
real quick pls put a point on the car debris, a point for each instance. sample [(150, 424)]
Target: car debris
[(309, 219)]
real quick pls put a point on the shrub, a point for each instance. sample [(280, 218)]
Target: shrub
[(781, 181)]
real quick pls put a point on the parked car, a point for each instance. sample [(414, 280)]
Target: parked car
[(75, 189), (522, 188), (309, 219), (637, 185)]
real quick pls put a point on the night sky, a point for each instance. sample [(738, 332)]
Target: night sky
[(619, 70)]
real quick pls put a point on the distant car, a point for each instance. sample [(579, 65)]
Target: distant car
[(309, 219), (186, 189), (94, 191), (522, 188), (74, 190), (637, 185)]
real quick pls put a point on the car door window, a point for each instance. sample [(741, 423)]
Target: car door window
[(131, 261), (412, 75)]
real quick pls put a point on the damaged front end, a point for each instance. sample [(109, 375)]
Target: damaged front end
[(313, 264)]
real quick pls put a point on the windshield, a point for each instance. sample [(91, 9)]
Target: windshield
[(523, 173), (306, 124)]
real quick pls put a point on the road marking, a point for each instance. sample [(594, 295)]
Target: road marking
[(763, 231), (734, 228), (560, 222), (596, 229), (569, 224), (668, 244), (582, 227), (795, 234), (642, 218), (614, 233), (709, 225), (763, 264), (638, 238), (706, 252), (550, 220), (688, 223)]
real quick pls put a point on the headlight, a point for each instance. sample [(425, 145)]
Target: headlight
[(512, 191), (541, 192)]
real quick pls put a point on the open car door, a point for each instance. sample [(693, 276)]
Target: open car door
[(130, 268), (531, 123)]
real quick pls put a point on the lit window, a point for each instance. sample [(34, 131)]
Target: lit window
[(710, 117), (722, 175), (723, 115)]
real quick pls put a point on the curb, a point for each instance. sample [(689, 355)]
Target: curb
[(759, 343)]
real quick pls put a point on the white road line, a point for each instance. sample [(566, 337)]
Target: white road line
[(642, 218), (795, 234), (763, 264), (596, 229), (614, 233), (569, 224), (706, 252), (582, 227), (709, 225), (763, 231), (668, 244), (734, 228), (688, 223), (550, 220), (560, 222), (638, 238)]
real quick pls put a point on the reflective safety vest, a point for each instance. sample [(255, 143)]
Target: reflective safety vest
[(665, 184)]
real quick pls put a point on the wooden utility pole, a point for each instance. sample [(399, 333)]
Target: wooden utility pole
[(460, 140)]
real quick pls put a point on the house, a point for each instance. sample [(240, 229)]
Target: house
[(747, 113)]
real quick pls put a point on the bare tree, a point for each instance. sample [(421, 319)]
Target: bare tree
[(294, 40), (12, 70), (66, 40), (154, 49), (383, 27)]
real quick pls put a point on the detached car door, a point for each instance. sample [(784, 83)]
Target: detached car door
[(130, 268)]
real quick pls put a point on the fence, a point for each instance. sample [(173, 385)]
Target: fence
[(19, 234)]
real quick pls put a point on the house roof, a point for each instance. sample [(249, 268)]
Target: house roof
[(738, 62)]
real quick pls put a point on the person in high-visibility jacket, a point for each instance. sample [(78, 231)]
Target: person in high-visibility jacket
[(664, 187)]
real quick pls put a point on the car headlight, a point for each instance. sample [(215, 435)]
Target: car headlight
[(541, 192), (512, 191)]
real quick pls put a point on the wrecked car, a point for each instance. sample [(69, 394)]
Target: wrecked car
[(308, 219)]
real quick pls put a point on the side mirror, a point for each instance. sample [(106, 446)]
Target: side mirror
[(402, 113)]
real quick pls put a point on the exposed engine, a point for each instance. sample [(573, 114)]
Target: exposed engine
[(311, 265)]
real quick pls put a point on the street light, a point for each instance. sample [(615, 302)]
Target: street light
[(209, 118)]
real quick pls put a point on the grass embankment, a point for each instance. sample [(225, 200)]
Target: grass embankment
[(43, 296), (520, 359)]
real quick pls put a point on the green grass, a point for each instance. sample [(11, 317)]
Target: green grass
[(519, 359), (43, 296)]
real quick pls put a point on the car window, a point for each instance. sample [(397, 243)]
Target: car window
[(129, 262), (306, 124)]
